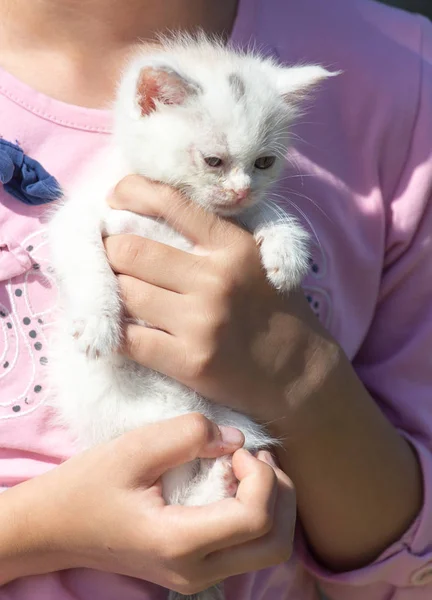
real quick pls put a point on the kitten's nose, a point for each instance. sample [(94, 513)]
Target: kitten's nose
[(240, 195)]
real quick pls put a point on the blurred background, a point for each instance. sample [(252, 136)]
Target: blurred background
[(419, 6)]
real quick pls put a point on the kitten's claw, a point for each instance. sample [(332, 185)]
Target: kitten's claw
[(96, 336), (284, 254)]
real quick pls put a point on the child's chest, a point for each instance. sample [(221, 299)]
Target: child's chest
[(341, 288)]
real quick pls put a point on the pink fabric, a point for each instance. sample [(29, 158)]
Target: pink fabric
[(362, 176)]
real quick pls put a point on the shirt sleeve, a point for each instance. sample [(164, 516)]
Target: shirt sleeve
[(395, 361)]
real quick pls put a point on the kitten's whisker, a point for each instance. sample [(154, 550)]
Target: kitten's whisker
[(305, 217), (300, 175), (320, 208), (282, 216), (292, 161)]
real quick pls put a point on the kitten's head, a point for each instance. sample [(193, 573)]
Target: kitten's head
[(210, 121)]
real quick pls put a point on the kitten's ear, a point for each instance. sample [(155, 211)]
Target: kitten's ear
[(297, 81), (162, 85)]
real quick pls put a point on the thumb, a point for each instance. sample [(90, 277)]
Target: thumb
[(161, 446)]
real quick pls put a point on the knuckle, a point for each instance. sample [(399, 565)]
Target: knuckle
[(220, 273), (173, 548), (210, 319), (191, 588), (182, 357), (267, 475), (133, 293), (172, 554), (178, 583), (199, 427), (224, 281), (200, 365), (134, 343), (129, 250), (186, 583), (157, 254), (283, 550), (280, 551), (126, 290), (122, 191), (262, 522)]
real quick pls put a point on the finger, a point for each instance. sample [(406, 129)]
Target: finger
[(233, 521), (257, 481), (154, 349), (267, 551), (156, 448), (284, 482), (143, 196), (153, 262), (150, 303), (268, 458)]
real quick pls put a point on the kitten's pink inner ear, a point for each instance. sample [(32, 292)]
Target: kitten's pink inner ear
[(159, 85)]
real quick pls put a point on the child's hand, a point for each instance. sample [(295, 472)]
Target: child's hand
[(220, 326), (103, 509)]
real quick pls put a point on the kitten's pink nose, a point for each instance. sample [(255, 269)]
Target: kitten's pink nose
[(240, 195)]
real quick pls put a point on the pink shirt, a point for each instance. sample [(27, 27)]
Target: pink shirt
[(363, 177)]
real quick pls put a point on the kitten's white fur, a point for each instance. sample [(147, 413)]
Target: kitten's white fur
[(202, 100)]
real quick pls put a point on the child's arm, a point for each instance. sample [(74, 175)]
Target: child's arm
[(268, 356), (64, 519)]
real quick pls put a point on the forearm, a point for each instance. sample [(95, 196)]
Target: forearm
[(26, 547), (358, 481)]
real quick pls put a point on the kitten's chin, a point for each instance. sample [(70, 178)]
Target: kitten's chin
[(224, 209), (227, 210)]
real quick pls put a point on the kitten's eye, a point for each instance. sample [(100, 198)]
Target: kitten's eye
[(213, 161), (265, 162)]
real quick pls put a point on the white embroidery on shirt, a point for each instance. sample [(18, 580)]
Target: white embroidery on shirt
[(25, 323)]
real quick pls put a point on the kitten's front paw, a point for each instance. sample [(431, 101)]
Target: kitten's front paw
[(284, 254), (96, 335)]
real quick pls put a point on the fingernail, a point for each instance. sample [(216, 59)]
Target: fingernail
[(268, 458), (232, 436)]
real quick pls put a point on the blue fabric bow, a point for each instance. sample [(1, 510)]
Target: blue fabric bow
[(24, 178)]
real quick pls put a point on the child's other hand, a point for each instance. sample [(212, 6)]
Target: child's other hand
[(103, 509)]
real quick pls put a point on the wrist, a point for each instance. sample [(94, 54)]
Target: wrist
[(29, 540), (339, 447)]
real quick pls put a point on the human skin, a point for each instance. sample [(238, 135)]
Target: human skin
[(278, 356), (224, 331), (64, 519), (73, 50)]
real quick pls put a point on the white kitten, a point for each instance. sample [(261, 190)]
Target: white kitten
[(214, 123)]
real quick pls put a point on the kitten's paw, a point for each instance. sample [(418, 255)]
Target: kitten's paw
[(284, 254), (229, 480), (215, 481), (96, 335), (214, 593)]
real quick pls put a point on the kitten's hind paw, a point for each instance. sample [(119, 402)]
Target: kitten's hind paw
[(96, 336)]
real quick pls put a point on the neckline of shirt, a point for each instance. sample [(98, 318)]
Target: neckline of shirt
[(93, 119)]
